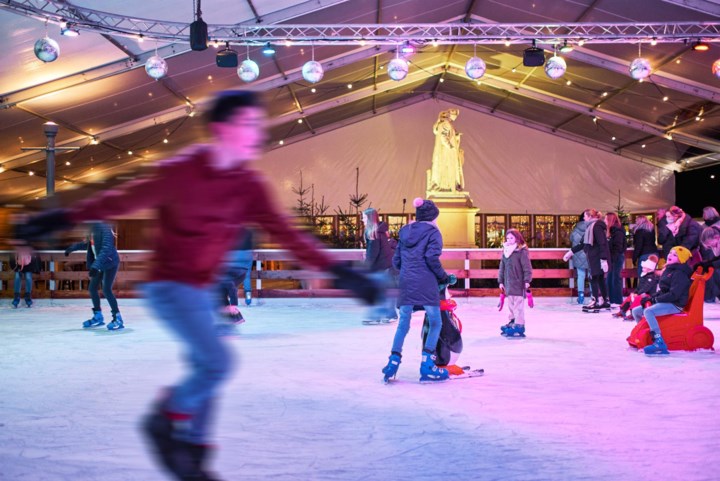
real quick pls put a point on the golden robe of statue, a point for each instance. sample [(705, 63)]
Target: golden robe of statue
[(446, 174)]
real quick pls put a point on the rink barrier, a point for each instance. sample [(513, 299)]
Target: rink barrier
[(276, 275)]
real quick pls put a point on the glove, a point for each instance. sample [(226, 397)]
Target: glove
[(452, 280), (648, 301), (40, 225), (604, 265), (502, 300), (68, 251), (93, 272), (361, 285), (529, 296), (568, 255)]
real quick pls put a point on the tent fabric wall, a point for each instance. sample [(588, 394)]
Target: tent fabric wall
[(509, 168)]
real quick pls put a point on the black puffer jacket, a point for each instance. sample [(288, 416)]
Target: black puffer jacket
[(674, 285), (643, 244), (379, 251), (617, 242)]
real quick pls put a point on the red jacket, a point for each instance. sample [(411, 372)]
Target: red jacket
[(200, 212)]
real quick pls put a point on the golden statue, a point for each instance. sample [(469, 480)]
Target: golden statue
[(446, 174)]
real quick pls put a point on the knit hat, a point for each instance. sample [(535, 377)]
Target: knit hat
[(650, 263), (682, 253), (425, 210)]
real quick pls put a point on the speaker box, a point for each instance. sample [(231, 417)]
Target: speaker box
[(533, 57), (198, 35), (226, 58)]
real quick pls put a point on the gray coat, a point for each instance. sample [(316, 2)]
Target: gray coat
[(417, 257), (515, 271), (576, 237)]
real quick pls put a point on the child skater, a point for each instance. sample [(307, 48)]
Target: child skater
[(204, 197), (24, 265), (102, 262), (672, 295), (235, 270), (417, 258), (514, 277), (647, 287), (378, 259)]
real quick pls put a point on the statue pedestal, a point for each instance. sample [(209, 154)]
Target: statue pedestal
[(457, 218)]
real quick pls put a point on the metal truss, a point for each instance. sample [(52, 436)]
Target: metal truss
[(368, 34)]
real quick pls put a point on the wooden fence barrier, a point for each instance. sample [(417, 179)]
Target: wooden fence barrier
[(275, 274)]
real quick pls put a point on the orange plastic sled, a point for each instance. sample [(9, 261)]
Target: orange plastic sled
[(683, 331)]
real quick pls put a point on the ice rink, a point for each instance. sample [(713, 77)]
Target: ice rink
[(570, 402)]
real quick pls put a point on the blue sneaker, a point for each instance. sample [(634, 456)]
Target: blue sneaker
[(517, 330), (392, 366), (96, 320), (657, 347), (117, 323), (429, 372)]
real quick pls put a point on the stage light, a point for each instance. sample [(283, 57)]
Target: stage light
[(700, 46), (533, 56), (227, 57), (47, 49), (565, 48), (407, 49), (268, 50), (69, 30)]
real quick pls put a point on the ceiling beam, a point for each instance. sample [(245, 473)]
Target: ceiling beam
[(703, 6), (589, 110)]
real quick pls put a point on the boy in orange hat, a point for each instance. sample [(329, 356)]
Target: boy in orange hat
[(672, 295)]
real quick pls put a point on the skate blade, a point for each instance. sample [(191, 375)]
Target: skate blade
[(468, 374), (371, 323)]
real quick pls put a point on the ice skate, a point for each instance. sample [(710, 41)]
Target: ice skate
[(657, 347), (28, 302), (248, 298), (581, 299), (392, 366), (16, 302), (517, 331), (505, 327), (96, 320), (389, 319), (233, 314), (429, 372), (117, 323)]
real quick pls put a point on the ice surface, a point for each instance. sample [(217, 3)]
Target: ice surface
[(307, 402)]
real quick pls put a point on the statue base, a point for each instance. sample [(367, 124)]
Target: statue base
[(457, 218)]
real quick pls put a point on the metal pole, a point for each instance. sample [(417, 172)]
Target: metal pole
[(51, 130)]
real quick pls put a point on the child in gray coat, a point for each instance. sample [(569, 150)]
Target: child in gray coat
[(514, 277)]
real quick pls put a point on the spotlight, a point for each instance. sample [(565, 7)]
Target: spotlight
[(198, 35), (565, 47), (268, 50), (533, 56), (69, 30), (227, 57), (407, 48), (700, 46)]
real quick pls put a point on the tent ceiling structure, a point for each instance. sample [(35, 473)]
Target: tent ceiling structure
[(98, 89)]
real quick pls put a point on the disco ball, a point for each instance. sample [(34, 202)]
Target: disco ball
[(398, 69), (640, 68), (475, 68), (248, 70), (312, 71), (156, 67), (555, 67), (716, 68), (47, 49)]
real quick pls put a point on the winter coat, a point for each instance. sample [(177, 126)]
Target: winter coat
[(379, 251), (515, 271), (688, 235), (648, 283), (598, 250), (34, 267), (417, 258), (617, 242), (664, 238), (715, 221), (643, 244), (674, 285), (101, 251), (576, 237)]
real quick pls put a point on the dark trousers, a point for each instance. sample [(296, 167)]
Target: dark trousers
[(108, 278), (598, 286)]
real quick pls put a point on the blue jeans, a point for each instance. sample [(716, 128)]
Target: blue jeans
[(189, 312), (433, 315), (28, 284), (615, 280), (108, 278), (651, 313), (581, 274)]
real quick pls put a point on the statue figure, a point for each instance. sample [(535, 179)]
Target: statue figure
[(446, 174)]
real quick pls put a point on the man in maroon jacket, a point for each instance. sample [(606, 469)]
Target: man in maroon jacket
[(203, 198)]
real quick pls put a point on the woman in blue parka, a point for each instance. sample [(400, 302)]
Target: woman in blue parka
[(417, 258), (102, 262)]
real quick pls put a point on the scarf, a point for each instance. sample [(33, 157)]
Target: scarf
[(589, 238), (675, 226), (508, 249)]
